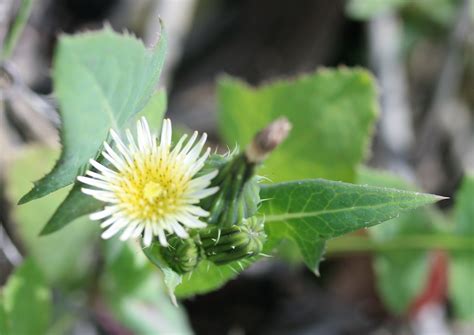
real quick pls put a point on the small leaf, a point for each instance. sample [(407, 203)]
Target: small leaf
[(101, 79), (461, 270), (26, 301), (75, 205), (309, 211), (332, 113)]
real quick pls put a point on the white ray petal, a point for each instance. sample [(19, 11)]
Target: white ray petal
[(106, 171), (113, 229), (107, 211), (198, 211), (127, 233), (188, 145), (162, 238), (148, 235), (97, 183), (201, 194), (138, 231), (178, 229), (121, 146)]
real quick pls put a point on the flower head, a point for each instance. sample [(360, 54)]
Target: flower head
[(150, 188)]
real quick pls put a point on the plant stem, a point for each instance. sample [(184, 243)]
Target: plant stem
[(447, 242)]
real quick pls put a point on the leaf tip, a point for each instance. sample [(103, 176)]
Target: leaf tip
[(439, 197), (27, 197)]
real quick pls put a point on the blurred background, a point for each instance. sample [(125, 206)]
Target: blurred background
[(422, 54)]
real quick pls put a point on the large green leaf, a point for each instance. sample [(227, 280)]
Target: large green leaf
[(332, 112), (133, 291), (26, 302), (101, 79), (311, 211), (64, 258), (461, 272), (401, 275)]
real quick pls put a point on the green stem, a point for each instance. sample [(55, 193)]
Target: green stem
[(411, 242)]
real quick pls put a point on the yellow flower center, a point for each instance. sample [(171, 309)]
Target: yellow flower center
[(151, 188)]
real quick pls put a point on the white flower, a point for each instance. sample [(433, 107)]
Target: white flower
[(149, 188)]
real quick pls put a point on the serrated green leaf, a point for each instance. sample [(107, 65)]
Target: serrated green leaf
[(101, 79), (27, 301), (461, 269), (401, 275), (332, 113), (134, 293), (64, 258), (75, 205), (311, 211)]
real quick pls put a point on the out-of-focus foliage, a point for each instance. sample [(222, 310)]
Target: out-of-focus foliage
[(440, 12), (462, 262), (16, 29), (401, 274), (65, 257), (365, 9), (332, 113), (134, 293), (25, 302)]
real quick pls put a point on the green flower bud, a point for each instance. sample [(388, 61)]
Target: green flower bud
[(238, 195), (223, 245), (181, 255)]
